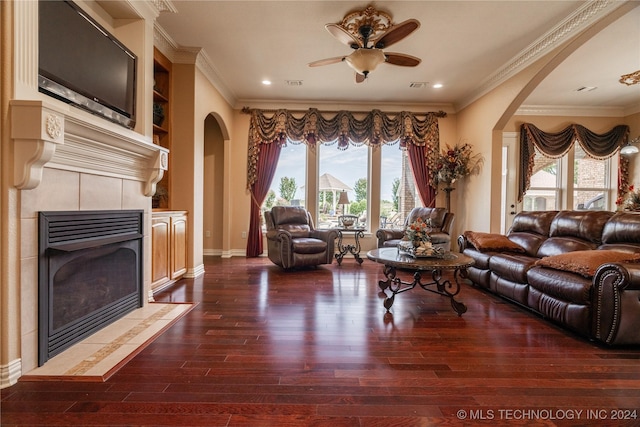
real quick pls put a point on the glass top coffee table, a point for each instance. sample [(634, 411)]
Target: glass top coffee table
[(394, 260)]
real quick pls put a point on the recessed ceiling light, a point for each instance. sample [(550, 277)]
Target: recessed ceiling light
[(266, 82), (437, 86)]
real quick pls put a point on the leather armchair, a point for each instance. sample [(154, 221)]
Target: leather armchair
[(293, 241), (441, 221)]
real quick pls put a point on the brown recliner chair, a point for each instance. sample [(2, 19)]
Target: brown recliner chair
[(293, 241), (441, 222)]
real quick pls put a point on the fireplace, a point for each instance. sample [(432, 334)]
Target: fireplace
[(90, 274)]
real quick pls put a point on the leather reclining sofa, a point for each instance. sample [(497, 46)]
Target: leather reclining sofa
[(579, 269)]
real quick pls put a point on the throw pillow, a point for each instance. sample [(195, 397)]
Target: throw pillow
[(586, 263), (485, 242)]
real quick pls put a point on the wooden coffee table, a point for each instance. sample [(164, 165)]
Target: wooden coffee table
[(394, 260)]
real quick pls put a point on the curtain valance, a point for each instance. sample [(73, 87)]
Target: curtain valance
[(556, 145), (344, 127)]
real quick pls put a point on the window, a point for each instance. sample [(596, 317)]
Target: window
[(551, 188), (543, 192), (342, 170), (398, 193), (287, 187), (590, 181)]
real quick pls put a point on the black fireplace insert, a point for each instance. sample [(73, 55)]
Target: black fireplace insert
[(90, 274)]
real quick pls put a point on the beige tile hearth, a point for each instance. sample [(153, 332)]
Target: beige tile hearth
[(103, 353)]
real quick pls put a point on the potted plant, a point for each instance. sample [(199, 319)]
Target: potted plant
[(158, 114)]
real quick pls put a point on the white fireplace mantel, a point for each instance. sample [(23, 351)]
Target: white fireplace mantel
[(44, 134)]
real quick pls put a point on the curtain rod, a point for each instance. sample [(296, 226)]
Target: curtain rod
[(247, 110)]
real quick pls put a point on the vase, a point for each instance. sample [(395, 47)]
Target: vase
[(158, 119)]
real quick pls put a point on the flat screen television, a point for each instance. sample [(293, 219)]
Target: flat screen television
[(83, 64)]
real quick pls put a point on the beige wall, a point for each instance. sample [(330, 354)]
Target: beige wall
[(239, 198), (633, 121), (196, 101), (213, 187), (209, 103)]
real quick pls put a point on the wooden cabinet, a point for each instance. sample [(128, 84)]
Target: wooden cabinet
[(169, 248), (162, 112), (161, 252), (178, 246)]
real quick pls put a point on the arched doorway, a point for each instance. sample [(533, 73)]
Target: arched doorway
[(213, 187)]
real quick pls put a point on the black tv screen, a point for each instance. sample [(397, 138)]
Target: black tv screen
[(82, 64)]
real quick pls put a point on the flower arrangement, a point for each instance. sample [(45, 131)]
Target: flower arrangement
[(418, 231), (630, 201), (417, 242), (456, 162)]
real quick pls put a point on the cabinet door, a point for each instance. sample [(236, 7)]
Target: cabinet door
[(161, 244), (179, 246)]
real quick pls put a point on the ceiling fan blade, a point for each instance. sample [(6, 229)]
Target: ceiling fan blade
[(360, 78), (326, 61), (343, 36), (402, 59), (397, 33)]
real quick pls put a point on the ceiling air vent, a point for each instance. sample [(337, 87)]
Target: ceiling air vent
[(586, 89), (418, 85), (293, 82)]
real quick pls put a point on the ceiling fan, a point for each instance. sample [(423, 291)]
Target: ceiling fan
[(369, 32)]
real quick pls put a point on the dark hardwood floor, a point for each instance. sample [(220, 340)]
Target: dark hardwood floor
[(266, 347)]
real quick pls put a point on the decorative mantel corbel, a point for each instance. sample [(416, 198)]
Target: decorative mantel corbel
[(36, 131), (160, 164)]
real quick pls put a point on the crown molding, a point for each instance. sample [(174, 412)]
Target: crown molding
[(192, 55), (165, 6), (570, 110), (583, 17), (632, 110), (205, 65), (164, 43)]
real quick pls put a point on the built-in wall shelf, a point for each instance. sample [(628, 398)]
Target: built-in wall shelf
[(162, 115)]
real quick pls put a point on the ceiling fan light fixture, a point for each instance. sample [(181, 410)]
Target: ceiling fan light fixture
[(363, 61), (631, 148), (631, 78)]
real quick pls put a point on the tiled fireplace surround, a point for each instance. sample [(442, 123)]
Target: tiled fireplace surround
[(69, 160)]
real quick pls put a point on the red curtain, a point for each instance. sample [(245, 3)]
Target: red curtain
[(418, 159), (267, 160)]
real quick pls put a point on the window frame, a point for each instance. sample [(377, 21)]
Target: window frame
[(565, 187)]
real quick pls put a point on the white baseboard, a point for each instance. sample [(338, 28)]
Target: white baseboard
[(225, 254), (192, 273), (212, 252), (10, 373)]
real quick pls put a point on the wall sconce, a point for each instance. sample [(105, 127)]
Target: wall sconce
[(630, 148)]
